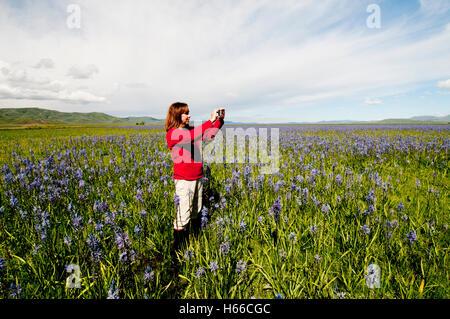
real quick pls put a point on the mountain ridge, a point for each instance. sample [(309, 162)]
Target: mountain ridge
[(35, 115)]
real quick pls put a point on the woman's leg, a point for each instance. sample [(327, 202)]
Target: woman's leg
[(197, 199), (183, 209), (188, 209), (197, 205)]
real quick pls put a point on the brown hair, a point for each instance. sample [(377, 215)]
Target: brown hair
[(173, 118)]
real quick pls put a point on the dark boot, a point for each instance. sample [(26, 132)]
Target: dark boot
[(180, 238), (195, 225)]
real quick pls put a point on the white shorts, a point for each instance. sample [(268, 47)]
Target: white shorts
[(190, 205)]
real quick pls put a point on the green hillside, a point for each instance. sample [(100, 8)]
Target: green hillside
[(33, 115)]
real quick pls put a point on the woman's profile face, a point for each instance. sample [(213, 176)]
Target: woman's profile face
[(185, 117)]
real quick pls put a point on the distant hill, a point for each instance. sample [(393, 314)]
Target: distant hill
[(431, 118), (34, 115), (425, 119), (38, 116), (418, 119)]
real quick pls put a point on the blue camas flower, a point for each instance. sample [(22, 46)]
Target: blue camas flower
[(94, 246), (200, 273), (76, 222), (148, 275), (365, 229), (225, 247), (176, 199), (325, 208), (204, 220), (313, 229), (279, 296), (412, 236), (67, 240), (113, 292), (275, 211), (241, 267), (292, 236), (242, 226), (213, 266), (189, 254), (15, 291), (2, 266)]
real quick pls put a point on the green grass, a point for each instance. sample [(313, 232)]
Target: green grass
[(328, 263)]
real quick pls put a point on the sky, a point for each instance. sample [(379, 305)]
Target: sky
[(264, 61)]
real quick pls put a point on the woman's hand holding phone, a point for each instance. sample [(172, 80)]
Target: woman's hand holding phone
[(218, 113)]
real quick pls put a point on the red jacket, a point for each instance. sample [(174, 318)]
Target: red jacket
[(184, 145)]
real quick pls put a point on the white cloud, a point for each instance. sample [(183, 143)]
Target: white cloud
[(82, 72), (45, 63), (434, 7), (18, 83), (372, 102), (137, 85), (7, 92), (444, 84)]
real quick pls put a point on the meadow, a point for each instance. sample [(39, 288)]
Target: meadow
[(96, 205)]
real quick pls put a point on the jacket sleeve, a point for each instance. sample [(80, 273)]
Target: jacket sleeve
[(211, 132), (176, 136)]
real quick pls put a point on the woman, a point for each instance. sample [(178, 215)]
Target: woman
[(184, 142)]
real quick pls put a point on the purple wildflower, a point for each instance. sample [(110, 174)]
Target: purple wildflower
[(176, 199), (241, 267), (292, 236), (242, 226), (276, 209), (325, 208), (225, 247), (143, 213), (123, 256), (94, 245), (213, 266), (137, 229), (76, 221), (2, 267), (313, 229), (15, 291), (113, 292), (200, 273), (148, 275), (122, 240), (412, 236), (204, 220), (67, 240), (189, 254), (365, 229)]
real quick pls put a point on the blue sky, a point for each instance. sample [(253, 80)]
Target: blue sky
[(265, 61)]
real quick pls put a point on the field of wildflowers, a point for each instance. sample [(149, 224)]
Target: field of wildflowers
[(88, 212)]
